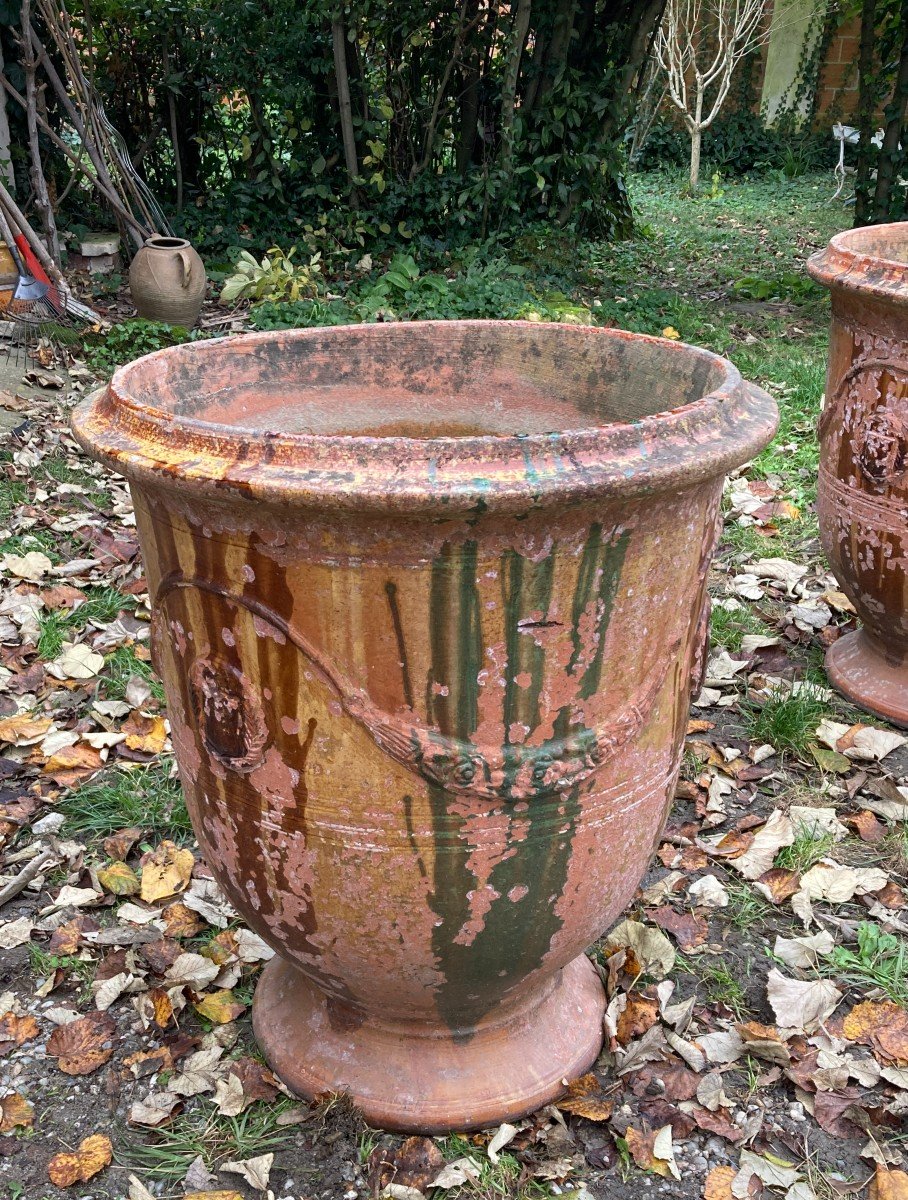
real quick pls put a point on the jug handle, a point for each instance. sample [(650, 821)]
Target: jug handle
[(187, 266)]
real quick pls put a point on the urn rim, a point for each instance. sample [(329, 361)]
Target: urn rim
[(864, 260), (669, 449)]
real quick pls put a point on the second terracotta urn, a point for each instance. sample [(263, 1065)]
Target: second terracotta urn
[(167, 281), (863, 483), (428, 604)]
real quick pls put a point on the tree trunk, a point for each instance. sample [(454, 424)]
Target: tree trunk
[(469, 97), (892, 152), (635, 47), (696, 134), (338, 38), (509, 87), (555, 59), (39, 183), (174, 130), (6, 164), (866, 106)]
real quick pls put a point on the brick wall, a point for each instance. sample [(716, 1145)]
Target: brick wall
[(838, 82)]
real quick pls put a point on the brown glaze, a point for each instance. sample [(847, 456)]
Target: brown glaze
[(863, 481), (428, 692)]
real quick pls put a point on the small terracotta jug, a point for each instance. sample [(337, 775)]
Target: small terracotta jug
[(167, 281)]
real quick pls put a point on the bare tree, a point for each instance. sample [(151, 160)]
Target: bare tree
[(698, 46)]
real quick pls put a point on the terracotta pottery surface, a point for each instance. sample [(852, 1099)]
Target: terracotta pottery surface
[(428, 606), (167, 281), (863, 481), (8, 272)]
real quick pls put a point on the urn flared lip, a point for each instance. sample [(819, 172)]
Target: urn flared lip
[(671, 449), (871, 260)]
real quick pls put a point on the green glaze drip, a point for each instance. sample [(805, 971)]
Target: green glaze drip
[(509, 945)]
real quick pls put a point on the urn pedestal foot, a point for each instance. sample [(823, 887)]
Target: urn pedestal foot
[(862, 673), (419, 1078)]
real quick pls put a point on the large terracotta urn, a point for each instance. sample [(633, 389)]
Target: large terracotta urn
[(428, 602), (167, 281), (863, 481)]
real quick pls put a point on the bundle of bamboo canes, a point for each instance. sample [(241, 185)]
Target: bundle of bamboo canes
[(96, 153)]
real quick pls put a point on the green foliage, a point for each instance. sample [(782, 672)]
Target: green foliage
[(808, 847), (144, 796), (103, 605), (276, 277), (728, 626), (203, 1132), (746, 908), (461, 120), (787, 721), (738, 143), (300, 315), (130, 340), (481, 288), (881, 961), (120, 666), (789, 287), (881, 186)]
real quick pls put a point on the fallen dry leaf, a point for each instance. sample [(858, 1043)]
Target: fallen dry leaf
[(155, 1110), (767, 842), (801, 1004), (764, 1042), (585, 1098), (640, 1013), (888, 1185), (93, 1155), (220, 1194), (180, 921), (73, 764), (119, 878), (15, 933), (651, 948), (165, 872), (882, 1025), (866, 826), (688, 928), (778, 884), (653, 1151), (24, 729), (15, 1030), (15, 1111), (83, 1045), (708, 892), (502, 1137), (221, 1007), (802, 952), (718, 1183), (415, 1163), (192, 969), (837, 884), (147, 735), (33, 566), (118, 845), (76, 661), (773, 1173), (254, 1170)]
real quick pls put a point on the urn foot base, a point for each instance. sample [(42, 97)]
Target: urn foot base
[(861, 673), (422, 1079)]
